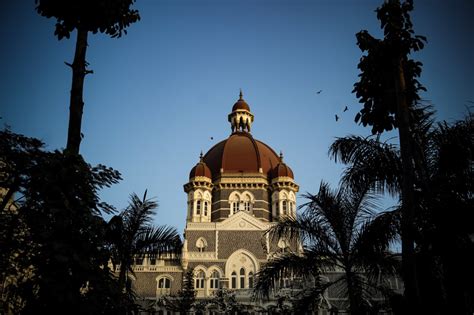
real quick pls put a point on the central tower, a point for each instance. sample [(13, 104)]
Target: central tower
[(235, 193)]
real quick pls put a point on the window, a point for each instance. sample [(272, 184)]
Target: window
[(152, 261), (284, 206), (247, 206), (205, 208), (214, 280), (235, 207), (198, 207), (242, 278), (250, 279), (234, 280), (164, 283), (200, 277)]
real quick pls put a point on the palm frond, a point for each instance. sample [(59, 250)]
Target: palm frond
[(158, 240), (139, 213), (289, 264), (370, 162)]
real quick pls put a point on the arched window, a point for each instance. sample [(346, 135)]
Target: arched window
[(205, 208), (235, 207), (251, 279), (200, 277), (242, 278), (214, 281), (198, 207), (284, 206), (234, 280), (164, 283), (247, 206)]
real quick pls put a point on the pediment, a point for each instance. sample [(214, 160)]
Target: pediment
[(242, 221)]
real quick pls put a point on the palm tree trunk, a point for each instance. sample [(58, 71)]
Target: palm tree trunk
[(409, 268), (354, 297), (76, 103)]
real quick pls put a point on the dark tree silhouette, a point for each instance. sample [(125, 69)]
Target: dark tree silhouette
[(58, 260), (388, 88), (339, 230), (444, 245), (131, 236), (104, 16)]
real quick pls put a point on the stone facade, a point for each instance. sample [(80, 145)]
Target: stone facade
[(236, 192)]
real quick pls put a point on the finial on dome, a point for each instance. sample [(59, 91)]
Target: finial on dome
[(240, 95), (281, 156), (200, 156)]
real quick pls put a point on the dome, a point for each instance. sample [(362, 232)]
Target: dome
[(282, 170), (200, 169), (241, 104), (241, 153)]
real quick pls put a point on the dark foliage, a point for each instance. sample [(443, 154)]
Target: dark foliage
[(131, 235), (111, 17), (340, 231), (54, 259), (379, 67), (444, 203)]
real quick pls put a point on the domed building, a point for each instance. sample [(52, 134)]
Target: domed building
[(235, 192)]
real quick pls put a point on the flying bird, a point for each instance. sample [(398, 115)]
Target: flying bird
[(212, 138), (345, 109), (337, 117), (319, 92)]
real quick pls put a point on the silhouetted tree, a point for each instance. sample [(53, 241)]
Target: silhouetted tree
[(131, 236), (55, 259), (444, 245), (104, 16), (339, 230), (388, 88)]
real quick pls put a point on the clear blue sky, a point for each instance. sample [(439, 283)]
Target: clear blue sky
[(158, 94)]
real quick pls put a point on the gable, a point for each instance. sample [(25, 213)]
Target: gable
[(242, 221)]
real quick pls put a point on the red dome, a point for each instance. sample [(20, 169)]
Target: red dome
[(241, 153), (282, 170), (200, 169), (242, 105)]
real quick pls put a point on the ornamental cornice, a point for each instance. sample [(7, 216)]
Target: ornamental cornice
[(281, 182), (196, 183), (145, 268), (199, 256), (243, 178)]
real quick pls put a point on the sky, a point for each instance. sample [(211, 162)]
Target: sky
[(158, 94)]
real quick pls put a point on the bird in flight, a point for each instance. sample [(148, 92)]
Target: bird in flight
[(319, 92), (212, 138), (337, 117), (345, 109)]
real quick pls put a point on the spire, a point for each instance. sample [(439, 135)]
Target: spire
[(281, 156), (240, 118), (200, 157)]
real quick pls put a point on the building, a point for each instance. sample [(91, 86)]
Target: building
[(235, 192)]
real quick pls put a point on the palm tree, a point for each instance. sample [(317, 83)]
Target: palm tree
[(443, 182), (131, 236), (339, 231)]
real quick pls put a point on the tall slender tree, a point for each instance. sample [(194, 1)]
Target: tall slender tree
[(84, 16), (388, 88)]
